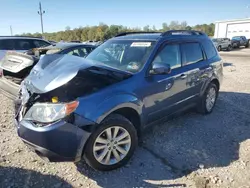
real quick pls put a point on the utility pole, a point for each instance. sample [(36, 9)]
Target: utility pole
[(41, 12), (11, 33), (247, 11)]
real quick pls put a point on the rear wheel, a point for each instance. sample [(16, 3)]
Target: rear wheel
[(219, 48), (208, 99), (112, 144)]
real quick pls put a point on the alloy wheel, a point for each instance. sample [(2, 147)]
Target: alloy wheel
[(112, 145), (210, 99)]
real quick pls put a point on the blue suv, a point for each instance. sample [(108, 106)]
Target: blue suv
[(96, 108)]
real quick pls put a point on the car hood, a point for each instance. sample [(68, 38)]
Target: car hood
[(54, 70)]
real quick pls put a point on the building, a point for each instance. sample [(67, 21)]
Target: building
[(230, 28)]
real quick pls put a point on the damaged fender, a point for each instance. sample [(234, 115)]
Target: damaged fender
[(110, 105)]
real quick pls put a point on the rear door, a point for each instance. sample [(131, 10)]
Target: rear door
[(194, 62), (225, 43)]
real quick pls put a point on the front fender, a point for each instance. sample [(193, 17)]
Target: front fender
[(112, 104)]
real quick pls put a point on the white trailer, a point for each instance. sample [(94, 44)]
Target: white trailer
[(230, 28)]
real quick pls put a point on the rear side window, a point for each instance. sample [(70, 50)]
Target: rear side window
[(191, 53), (209, 49), (7, 44)]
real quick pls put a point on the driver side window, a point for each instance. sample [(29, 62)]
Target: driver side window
[(169, 54)]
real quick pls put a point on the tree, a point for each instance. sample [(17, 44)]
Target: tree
[(153, 28), (188, 28), (174, 25), (103, 32), (165, 27), (183, 25), (146, 28), (67, 28)]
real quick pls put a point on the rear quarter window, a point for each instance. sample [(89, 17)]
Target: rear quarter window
[(209, 49)]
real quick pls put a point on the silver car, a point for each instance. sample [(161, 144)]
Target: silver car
[(222, 44)]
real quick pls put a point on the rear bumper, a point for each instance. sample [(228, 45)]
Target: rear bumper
[(58, 142), (8, 88)]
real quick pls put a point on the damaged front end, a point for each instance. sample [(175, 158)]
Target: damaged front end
[(56, 83), (49, 97), (15, 67)]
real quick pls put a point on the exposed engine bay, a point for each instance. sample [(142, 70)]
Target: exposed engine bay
[(77, 78)]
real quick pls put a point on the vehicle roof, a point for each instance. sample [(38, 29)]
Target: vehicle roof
[(64, 45), (20, 37), (239, 36), (157, 36)]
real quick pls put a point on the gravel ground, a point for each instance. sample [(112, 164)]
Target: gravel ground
[(189, 151)]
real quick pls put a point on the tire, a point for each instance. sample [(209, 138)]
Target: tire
[(202, 105), (247, 45), (90, 154), (229, 48), (219, 48)]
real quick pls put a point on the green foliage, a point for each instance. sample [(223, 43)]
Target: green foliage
[(103, 32)]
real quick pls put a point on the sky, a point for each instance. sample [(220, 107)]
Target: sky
[(23, 17)]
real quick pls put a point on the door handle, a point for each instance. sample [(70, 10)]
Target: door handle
[(183, 76)]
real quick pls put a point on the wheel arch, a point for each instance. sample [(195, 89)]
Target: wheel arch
[(213, 80)]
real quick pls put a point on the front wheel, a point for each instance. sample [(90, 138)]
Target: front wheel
[(247, 45), (208, 99), (229, 48), (112, 144)]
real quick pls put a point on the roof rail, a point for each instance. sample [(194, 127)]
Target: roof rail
[(136, 32), (180, 32)]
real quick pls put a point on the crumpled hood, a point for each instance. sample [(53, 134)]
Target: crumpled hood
[(53, 71)]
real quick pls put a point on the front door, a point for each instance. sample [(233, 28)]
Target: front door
[(164, 93)]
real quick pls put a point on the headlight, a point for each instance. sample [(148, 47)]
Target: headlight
[(50, 112)]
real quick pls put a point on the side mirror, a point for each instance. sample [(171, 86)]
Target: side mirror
[(160, 68)]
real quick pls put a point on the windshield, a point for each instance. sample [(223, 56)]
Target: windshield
[(126, 55), (214, 40), (236, 38)]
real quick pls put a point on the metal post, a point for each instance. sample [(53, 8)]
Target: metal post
[(11, 30), (40, 12)]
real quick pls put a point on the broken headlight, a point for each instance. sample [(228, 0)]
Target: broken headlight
[(50, 112)]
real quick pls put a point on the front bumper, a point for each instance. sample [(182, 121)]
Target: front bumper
[(8, 88), (60, 141)]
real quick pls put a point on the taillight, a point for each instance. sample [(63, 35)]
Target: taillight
[(1, 72)]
